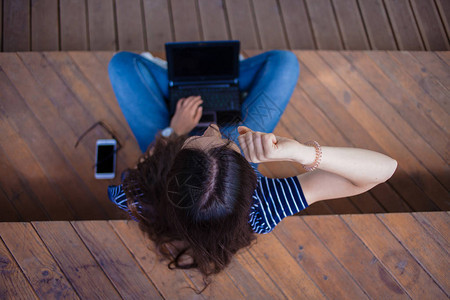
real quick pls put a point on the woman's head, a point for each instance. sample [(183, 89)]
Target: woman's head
[(197, 190)]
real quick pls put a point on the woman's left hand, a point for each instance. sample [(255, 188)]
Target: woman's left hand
[(187, 114)]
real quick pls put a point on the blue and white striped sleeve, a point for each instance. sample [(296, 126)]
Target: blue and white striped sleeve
[(117, 196), (273, 200)]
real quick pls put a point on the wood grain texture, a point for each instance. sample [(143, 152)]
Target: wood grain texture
[(323, 23), (102, 34), (186, 20), (281, 267), (36, 262), (430, 26), (16, 25), (81, 269), (444, 12), (391, 253), (159, 25), (130, 25), (404, 26), (368, 272), (433, 258), (242, 24), (376, 21), (73, 25), (312, 255), (350, 24), (171, 284), (398, 255), (269, 24), (44, 25), (298, 29), (115, 260), (213, 20), (12, 277)]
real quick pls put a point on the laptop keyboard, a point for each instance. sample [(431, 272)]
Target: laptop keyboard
[(218, 99)]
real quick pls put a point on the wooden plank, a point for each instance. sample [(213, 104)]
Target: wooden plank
[(212, 17), (102, 35), (298, 29), (401, 101), (26, 206), (242, 25), (75, 260), (323, 22), (97, 74), (433, 63), (81, 160), (376, 21), (283, 269), (8, 212), (158, 24), (351, 25), (16, 25), (396, 259), (251, 279), (419, 158), (185, 21), (269, 24), (417, 96), (172, 284), (309, 252), (73, 28), (444, 11), (430, 26), (36, 262), (368, 272), (424, 78), (11, 277), (90, 99), (336, 108), (437, 226), (1, 24), (431, 256), (17, 144), (404, 25), (439, 221), (130, 26), (115, 260), (44, 25)]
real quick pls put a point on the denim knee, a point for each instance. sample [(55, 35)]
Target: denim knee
[(120, 61), (288, 60)]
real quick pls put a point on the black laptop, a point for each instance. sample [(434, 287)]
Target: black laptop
[(211, 70)]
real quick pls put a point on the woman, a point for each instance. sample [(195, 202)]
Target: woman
[(200, 198)]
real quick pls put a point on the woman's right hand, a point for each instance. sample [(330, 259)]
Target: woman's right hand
[(263, 147)]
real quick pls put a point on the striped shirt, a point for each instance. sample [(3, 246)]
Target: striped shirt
[(273, 200)]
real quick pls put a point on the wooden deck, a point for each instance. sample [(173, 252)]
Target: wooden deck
[(383, 256), (51, 25), (392, 102)]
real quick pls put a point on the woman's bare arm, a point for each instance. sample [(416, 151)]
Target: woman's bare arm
[(342, 171)]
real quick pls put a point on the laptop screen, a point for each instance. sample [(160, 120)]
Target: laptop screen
[(203, 61)]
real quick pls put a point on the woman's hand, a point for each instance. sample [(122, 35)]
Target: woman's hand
[(187, 114), (262, 147)]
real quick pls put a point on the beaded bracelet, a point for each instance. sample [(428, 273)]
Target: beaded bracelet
[(318, 158)]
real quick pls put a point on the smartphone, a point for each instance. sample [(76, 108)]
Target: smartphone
[(105, 159)]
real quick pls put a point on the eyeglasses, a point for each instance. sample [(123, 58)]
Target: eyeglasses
[(109, 130)]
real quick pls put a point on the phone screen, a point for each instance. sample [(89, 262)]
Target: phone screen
[(105, 159)]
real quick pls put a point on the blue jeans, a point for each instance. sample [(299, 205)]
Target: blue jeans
[(141, 86)]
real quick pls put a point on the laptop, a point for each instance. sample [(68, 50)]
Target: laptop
[(211, 70)]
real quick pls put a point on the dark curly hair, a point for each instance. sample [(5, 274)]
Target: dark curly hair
[(193, 203)]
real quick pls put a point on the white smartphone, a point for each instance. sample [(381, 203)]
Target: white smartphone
[(105, 159)]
